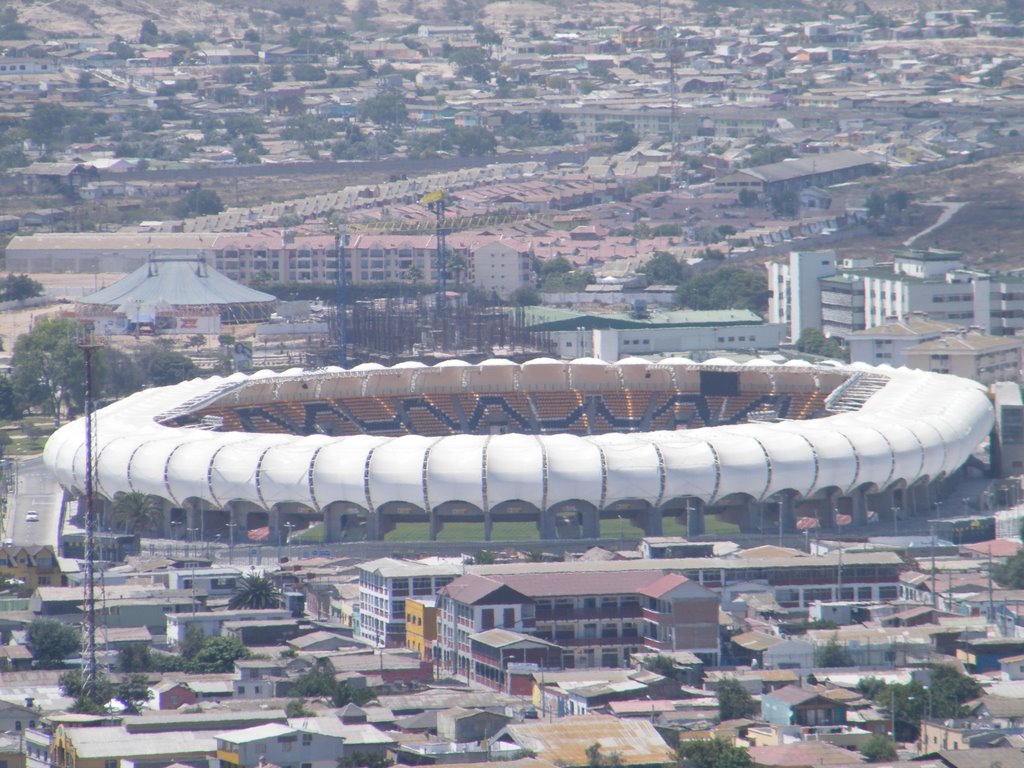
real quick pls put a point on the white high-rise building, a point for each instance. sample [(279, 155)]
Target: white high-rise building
[(794, 291)]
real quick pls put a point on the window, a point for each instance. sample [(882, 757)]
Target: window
[(110, 764)]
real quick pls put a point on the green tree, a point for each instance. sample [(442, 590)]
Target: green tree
[(198, 202), (163, 367), (660, 665), (52, 643), (1010, 574), (315, 682), (814, 342), (148, 33), (133, 691), (192, 642), (134, 657), (136, 512), (364, 760), (950, 690), (297, 708), (712, 753), (725, 288), (526, 296), (255, 591), (733, 700), (46, 122), (596, 758), (832, 654), (484, 557), (624, 137), (94, 703), (20, 287), (320, 682), (383, 109), (747, 198), (9, 409), (364, 11), (662, 269), (878, 749), (217, 654), (875, 205)]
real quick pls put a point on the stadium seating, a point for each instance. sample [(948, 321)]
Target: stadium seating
[(541, 412)]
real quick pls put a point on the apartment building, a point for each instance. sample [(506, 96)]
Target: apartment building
[(843, 298), (595, 618), (493, 263), (971, 355), (887, 344), (795, 296), (385, 584)]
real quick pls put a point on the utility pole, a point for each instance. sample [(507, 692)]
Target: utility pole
[(86, 341)]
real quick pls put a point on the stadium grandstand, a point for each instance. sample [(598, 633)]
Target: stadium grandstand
[(559, 445)]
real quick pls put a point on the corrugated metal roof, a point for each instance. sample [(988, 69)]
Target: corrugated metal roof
[(565, 741)]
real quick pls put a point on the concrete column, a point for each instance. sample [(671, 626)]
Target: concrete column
[(859, 500), (787, 518), (653, 522), (435, 524), (274, 523), (547, 524), (374, 530), (921, 499), (333, 523), (192, 513), (591, 520), (694, 517), (488, 525)]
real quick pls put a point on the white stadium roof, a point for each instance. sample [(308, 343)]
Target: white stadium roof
[(918, 425)]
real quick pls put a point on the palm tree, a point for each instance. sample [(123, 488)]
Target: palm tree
[(255, 590), (136, 512)]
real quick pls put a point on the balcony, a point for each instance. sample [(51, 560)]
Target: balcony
[(587, 614)]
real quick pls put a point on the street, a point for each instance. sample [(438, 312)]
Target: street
[(35, 489)]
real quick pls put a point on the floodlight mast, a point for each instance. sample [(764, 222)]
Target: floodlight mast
[(86, 341)]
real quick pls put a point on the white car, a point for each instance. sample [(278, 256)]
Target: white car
[(31, 516)]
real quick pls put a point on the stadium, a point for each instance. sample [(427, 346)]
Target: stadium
[(559, 448)]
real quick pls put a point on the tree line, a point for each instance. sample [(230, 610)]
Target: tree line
[(48, 371)]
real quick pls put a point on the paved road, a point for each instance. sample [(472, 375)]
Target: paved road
[(35, 489)]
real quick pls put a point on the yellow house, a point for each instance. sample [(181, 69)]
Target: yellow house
[(420, 625), (35, 566), (105, 746)]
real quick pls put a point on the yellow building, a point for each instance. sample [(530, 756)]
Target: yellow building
[(420, 625), (35, 566), (105, 746)]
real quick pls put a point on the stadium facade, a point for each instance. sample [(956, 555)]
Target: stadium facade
[(562, 445)]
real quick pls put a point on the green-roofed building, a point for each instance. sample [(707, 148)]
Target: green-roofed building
[(612, 336)]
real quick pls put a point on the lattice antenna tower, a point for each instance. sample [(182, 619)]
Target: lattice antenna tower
[(435, 202), (85, 340)]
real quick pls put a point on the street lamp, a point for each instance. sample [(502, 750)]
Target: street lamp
[(231, 541), (192, 537), (289, 527)]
